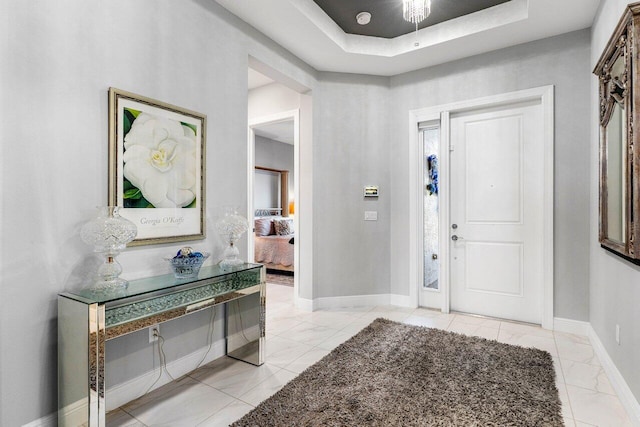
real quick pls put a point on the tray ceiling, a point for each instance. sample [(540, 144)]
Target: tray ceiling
[(386, 16), (306, 30)]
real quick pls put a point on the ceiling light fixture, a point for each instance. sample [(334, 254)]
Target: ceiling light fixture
[(416, 11), (363, 18)]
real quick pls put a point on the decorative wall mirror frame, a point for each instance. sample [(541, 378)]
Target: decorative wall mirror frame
[(619, 83)]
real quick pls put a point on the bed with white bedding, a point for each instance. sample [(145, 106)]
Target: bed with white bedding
[(274, 242), (275, 252)]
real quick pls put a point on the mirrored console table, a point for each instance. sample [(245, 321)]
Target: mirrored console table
[(87, 319)]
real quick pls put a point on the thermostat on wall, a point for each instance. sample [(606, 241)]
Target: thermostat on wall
[(371, 191)]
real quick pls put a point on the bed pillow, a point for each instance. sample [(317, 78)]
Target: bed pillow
[(283, 227), (263, 226)]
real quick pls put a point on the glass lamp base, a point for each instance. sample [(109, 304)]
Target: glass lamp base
[(107, 276), (230, 262), (112, 284), (230, 257)]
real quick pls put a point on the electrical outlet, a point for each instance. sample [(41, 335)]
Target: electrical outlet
[(618, 334), (154, 331)]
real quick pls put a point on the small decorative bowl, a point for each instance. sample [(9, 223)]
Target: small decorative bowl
[(187, 267)]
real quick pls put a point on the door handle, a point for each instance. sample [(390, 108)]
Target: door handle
[(455, 238)]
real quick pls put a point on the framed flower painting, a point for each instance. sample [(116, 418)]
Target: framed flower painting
[(157, 167)]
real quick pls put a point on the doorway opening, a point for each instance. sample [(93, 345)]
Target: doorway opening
[(279, 195), (274, 199), (274, 194)]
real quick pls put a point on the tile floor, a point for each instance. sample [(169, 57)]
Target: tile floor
[(224, 390)]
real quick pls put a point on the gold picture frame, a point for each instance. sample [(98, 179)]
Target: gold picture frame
[(157, 167)]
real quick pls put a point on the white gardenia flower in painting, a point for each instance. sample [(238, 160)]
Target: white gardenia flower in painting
[(160, 160)]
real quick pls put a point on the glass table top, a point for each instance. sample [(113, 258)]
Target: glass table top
[(155, 284)]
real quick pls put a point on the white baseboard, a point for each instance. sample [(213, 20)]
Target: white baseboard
[(120, 394), (304, 304), (50, 420), (623, 391), (351, 301), (402, 301), (570, 326), (76, 412)]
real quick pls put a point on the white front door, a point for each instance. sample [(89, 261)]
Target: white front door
[(496, 216)]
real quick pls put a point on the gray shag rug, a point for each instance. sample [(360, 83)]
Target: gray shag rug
[(392, 374)]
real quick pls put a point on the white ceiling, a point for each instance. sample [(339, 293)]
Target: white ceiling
[(303, 28), (257, 79), (280, 131)]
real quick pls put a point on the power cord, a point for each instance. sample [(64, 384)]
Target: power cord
[(162, 358), (209, 336), (160, 344)]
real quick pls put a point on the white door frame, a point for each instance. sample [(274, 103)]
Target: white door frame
[(265, 120), (441, 113)]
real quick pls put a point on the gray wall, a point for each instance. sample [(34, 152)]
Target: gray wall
[(561, 61), (57, 65), (275, 155), (614, 283), (351, 150)]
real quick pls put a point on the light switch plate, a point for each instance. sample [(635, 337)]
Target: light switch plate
[(370, 215)]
